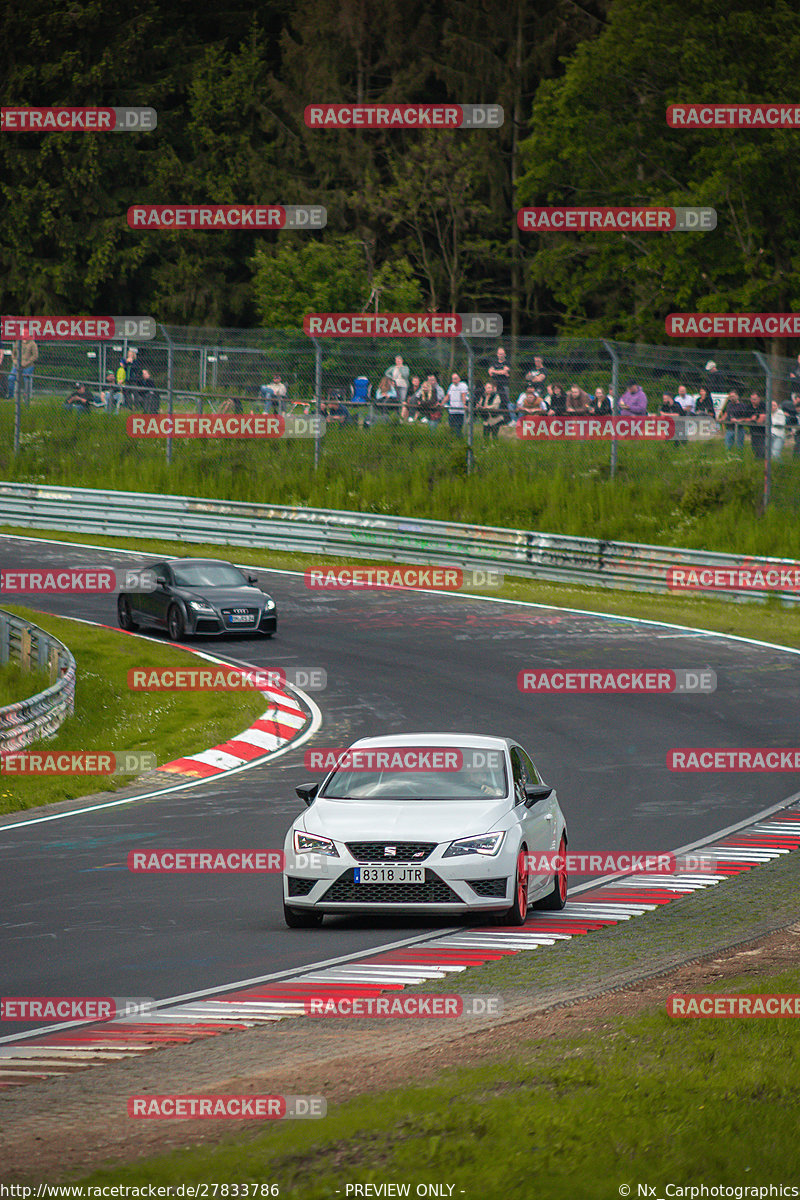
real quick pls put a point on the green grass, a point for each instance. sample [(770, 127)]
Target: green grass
[(110, 717), (696, 496), (648, 1099), (18, 684)]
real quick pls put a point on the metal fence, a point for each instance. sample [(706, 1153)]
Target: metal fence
[(520, 552), (41, 715), (364, 382)]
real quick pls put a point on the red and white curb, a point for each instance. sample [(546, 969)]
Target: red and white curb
[(28, 1057), (283, 721)]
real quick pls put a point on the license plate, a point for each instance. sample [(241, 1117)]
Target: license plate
[(240, 619), (389, 875)]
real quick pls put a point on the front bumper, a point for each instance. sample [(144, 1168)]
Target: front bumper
[(214, 626)]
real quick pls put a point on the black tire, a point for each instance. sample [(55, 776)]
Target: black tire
[(518, 913), (176, 626), (555, 900), (125, 616), (300, 918)]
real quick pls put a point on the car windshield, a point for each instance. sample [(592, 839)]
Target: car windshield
[(467, 783), (214, 575)]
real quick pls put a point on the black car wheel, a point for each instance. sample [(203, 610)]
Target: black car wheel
[(124, 615), (176, 626), (297, 918)]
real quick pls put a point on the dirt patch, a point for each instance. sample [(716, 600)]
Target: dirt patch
[(68, 1126)]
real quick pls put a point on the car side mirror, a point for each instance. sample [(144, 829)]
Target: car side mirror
[(161, 581), (307, 792), (252, 579), (536, 792)]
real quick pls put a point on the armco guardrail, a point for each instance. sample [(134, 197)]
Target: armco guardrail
[(521, 552), (41, 715)]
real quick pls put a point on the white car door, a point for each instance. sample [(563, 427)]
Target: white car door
[(537, 820)]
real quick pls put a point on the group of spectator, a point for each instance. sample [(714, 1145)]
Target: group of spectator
[(131, 386), (408, 397)]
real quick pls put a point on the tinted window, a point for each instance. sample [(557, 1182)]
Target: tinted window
[(208, 575)]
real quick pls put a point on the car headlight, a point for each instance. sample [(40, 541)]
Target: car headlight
[(485, 843), (200, 606), (312, 843), (269, 605)]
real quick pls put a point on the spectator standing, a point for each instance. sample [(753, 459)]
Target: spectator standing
[(778, 436), (385, 397), (500, 375), (399, 375), (704, 405), (558, 399), (633, 401), (148, 395), (29, 355), (133, 378), (601, 405), (756, 419), (538, 374), (274, 393), (409, 405), (489, 410), (578, 401), (456, 403), (686, 401), (731, 413), (431, 401)]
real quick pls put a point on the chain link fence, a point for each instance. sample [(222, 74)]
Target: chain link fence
[(458, 398)]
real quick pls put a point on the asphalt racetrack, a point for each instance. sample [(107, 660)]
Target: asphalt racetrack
[(75, 922)]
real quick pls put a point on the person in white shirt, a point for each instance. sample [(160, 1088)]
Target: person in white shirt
[(685, 399), (778, 430), (456, 403)]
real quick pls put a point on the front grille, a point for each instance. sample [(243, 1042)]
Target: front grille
[(241, 612), (489, 887), (432, 891), (375, 851), (299, 887)]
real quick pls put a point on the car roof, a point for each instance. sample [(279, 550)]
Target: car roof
[(481, 741), (198, 562)]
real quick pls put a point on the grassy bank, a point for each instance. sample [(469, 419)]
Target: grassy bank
[(110, 717), (696, 495), (645, 1100), (17, 684)]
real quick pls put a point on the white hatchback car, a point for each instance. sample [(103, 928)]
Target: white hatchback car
[(425, 823)]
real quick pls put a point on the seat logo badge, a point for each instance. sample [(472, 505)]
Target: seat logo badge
[(389, 851)]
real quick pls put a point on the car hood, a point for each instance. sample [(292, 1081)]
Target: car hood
[(419, 820), (244, 597)]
